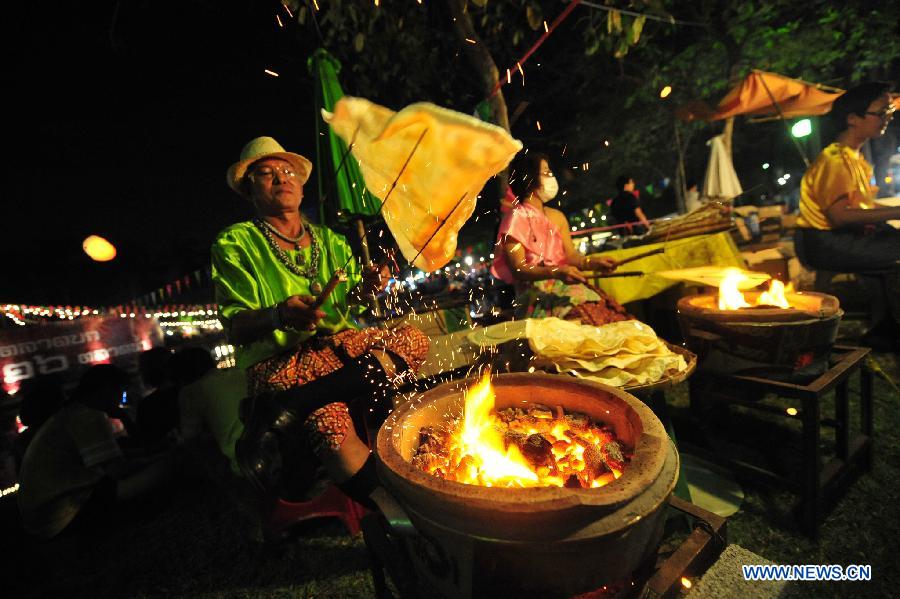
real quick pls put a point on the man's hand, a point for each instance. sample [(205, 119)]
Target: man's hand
[(297, 312), (570, 275), (375, 278)]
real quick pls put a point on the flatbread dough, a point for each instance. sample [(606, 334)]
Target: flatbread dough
[(452, 163)]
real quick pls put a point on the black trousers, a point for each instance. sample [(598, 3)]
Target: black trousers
[(874, 256), (849, 250)]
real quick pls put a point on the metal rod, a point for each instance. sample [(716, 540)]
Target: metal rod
[(786, 128), (612, 275), (639, 256), (394, 184), (403, 168)]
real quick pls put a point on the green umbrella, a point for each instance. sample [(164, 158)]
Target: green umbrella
[(346, 189)]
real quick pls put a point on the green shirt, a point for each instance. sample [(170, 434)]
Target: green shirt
[(212, 404), (248, 276)]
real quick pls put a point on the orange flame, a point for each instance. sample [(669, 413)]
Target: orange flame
[(478, 453), (731, 298), (480, 439)]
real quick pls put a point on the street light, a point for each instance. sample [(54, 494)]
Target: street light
[(801, 128), (98, 248)]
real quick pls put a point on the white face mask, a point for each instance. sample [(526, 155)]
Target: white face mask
[(549, 189)]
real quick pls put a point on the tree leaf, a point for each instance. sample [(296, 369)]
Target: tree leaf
[(613, 21), (636, 28), (534, 16), (591, 41), (359, 42), (480, 3)]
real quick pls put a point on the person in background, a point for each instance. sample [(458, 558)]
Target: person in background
[(157, 412), (534, 252), (41, 398), (841, 227), (74, 472), (210, 407), (692, 196), (308, 362), (626, 207), (189, 364)]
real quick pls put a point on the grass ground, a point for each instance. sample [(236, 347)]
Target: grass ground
[(863, 527), (203, 541)]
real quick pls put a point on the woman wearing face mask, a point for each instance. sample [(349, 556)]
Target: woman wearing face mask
[(535, 253)]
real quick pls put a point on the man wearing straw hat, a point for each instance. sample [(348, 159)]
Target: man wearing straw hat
[(308, 363)]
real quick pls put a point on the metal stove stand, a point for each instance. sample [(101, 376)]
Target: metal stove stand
[(818, 484), (389, 536)]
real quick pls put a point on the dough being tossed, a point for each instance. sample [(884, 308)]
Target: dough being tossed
[(454, 160)]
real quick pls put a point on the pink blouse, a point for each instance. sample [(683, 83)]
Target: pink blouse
[(541, 239)]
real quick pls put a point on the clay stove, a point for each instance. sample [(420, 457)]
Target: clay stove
[(782, 336), (475, 540)]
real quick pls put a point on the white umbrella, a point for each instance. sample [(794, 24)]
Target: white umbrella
[(721, 181)]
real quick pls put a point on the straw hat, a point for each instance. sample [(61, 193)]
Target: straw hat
[(265, 147)]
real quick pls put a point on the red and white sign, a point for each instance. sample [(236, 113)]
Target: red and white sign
[(69, 347)]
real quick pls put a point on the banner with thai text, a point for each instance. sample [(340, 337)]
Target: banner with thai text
[(68, 348)]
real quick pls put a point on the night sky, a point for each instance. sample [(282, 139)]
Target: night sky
[(123, 121)]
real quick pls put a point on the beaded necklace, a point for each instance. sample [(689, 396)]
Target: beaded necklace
[(300, 268)]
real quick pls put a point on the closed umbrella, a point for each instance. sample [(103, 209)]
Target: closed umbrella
[(339, 179)]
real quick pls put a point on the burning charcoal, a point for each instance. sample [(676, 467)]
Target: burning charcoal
[(511, 437), (427, 462), (578, 421), (594, 462), (466, 470), (572, 482), (612, 456), (432, 435), (541, 414), (561, 446), (537, 450), (560, 413), (585, 479), (510, 415)]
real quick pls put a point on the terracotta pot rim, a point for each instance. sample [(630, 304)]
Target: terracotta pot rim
[(829, 307), (649, 453)]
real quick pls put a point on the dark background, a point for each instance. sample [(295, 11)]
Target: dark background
[(124, 118)]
